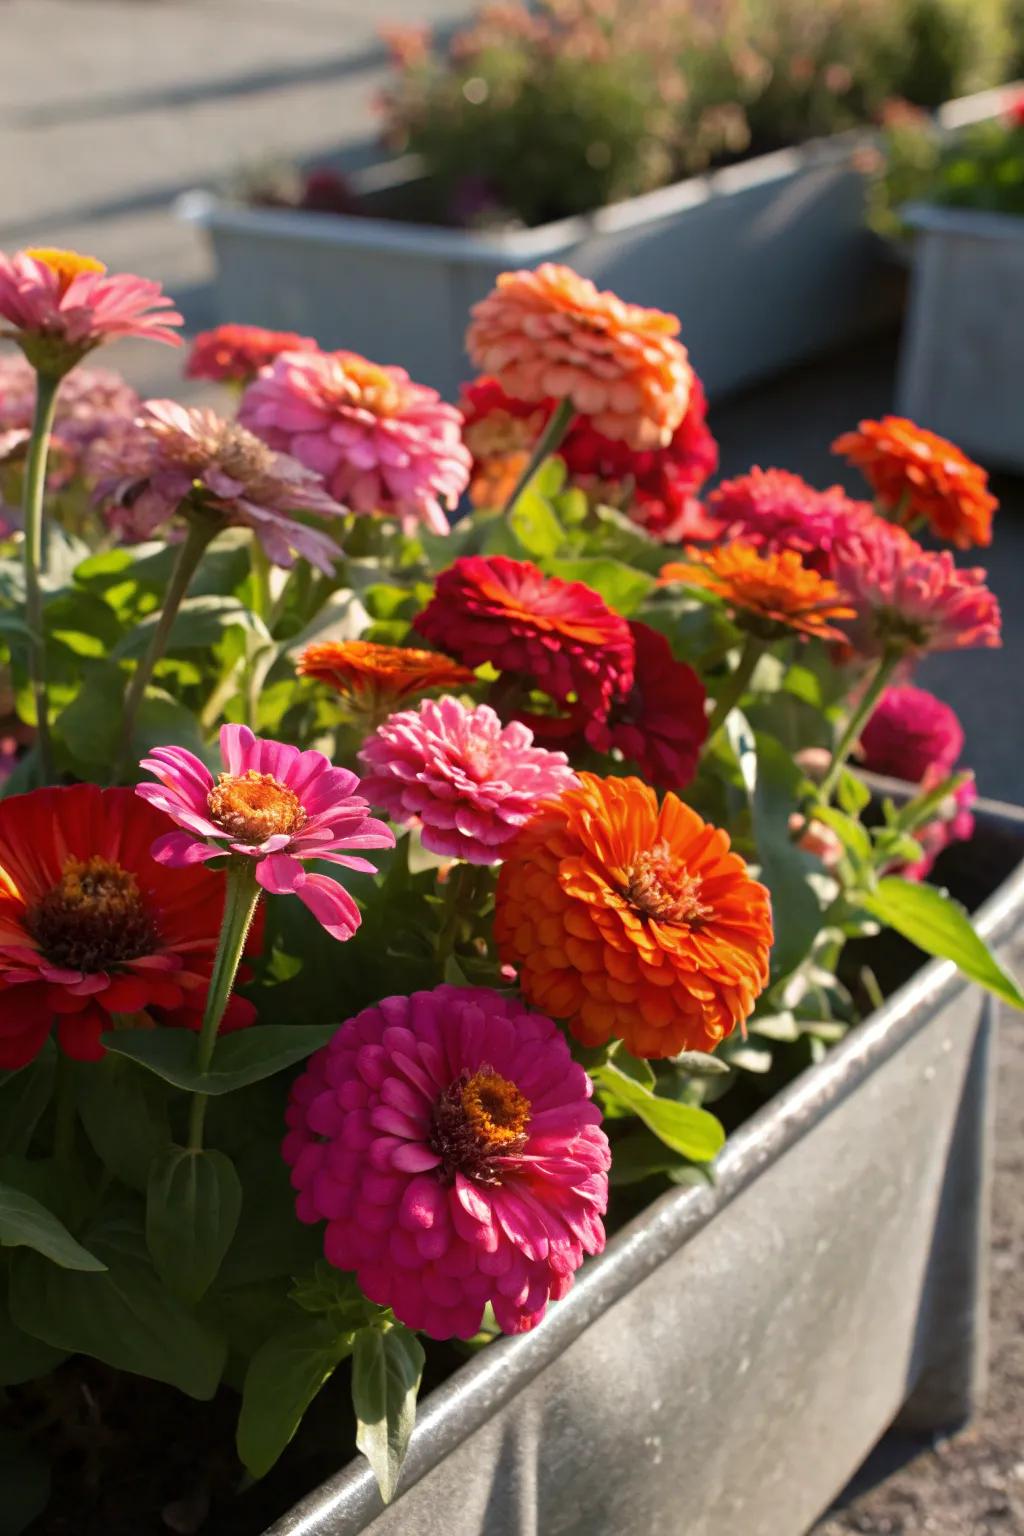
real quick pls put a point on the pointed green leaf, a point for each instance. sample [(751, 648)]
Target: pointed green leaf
[(124, 1110), (192, 1209), (693, 1132), (243, 1057), (24, 1223), (386, 1369), (283, 1378)]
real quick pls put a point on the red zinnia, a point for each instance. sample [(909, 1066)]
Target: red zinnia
[(661, 725), (234, 354), (91, 926), (560, 636)]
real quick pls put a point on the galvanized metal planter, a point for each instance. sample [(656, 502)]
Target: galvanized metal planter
[(767, 263), (964, 339), (730, 1360)]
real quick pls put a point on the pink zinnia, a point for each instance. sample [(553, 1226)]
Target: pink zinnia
[(449, 1141), (381, 442), (234, 354), (467, 781), (180, 458), (59, 305), (775, 510), (661, 724), (910, 732), (95, 407), (273, 804), (911, 600)]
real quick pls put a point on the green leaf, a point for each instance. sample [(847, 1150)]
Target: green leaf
[(24, 1096), (90, 725), (535, 525), (25, 1223), (125, 1317), (242, 1057), (23, 1358), (932, 920), (641, 1155), (854, 838), (852, 793), (25, 1479), (387, 1366), (635, 1067), (199, 623), (622, 586), (693, 1132), (700, 1064), (796, 911), (283, 1378), (124, 1111), (192, 1209)]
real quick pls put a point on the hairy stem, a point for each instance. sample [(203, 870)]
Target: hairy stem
[(240, 902), (856, 723), (546, 445), (34, 494), (735, 687)]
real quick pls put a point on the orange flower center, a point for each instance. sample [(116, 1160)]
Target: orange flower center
[(479, 1121), (659, 886), (254, 806), (370, 386), (66, 264), (93, 918)]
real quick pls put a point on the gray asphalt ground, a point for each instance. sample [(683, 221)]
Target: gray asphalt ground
[(111, 108)]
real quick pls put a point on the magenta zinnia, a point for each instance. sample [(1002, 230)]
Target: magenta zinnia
[(910, 732), (449, 1141), (58, 306), (660, 725), (381, 442), (464, 779), (275, 805), (180, 458), (774, 511)]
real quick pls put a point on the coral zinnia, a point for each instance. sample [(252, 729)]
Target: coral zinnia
[(467, 781), (917, 474), (560, 635), (381, 442), (774, 510), (551, 335), (275, 805), (912, 600), (234, 354), (911, 731), (450, 1142), (180, 458), (661, 724), (58, 306), (769, 593), (373, 679), (91, 926), (633, 922)]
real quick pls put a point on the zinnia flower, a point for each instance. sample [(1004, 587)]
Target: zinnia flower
[(632, 922), (95, 408), (910, 599), (560, 635), (273, 804), (58, 305), (381, 442), (450, 1143), (182, 458), (660, 725), (91, 926), (910, 732), (769, 593), (463, 778), (234, 354), (774, 511), (550, 335), (917, 474), (374, 679)]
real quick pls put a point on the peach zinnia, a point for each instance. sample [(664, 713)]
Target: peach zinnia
[(551, 335), (373, 679), (633, 922), (916, 475), (769, 593)]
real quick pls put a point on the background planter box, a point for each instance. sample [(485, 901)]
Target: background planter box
[(766, 263), (960, 362), (736, 1352)]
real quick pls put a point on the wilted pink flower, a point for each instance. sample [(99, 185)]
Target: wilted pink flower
[(953, 824), (466, 780), (95, 407), (182, 458), (775, 510), (274, 804), (910, 732), (449, 1141), (58, 306), (381, 442), (660, 724), (909, 599)]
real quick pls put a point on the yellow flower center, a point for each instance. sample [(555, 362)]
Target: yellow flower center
[(66, 264), (495, 1110), (659, 886), (253, 806), (480, 1121), (371, 387), (93, 918)]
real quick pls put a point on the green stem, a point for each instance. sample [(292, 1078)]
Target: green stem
[(240, 902), (736, 686), (546, 445), (856, 723), (190, 553), (457, 895), (34, 493), (65, 1111)]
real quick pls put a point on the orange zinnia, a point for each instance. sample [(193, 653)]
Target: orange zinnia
[(551, 335), (917, 474), (632, 922), (769, 591), (373, 679)]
